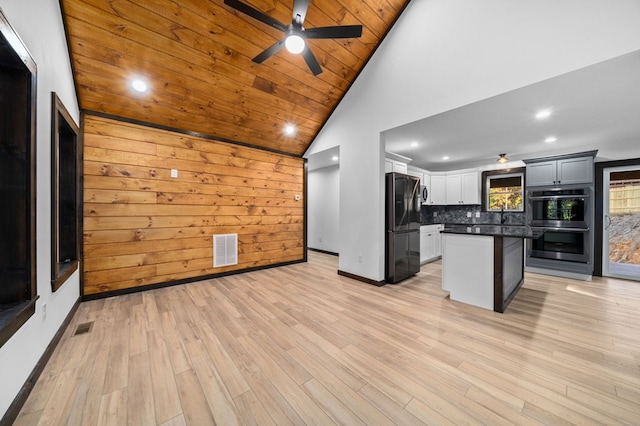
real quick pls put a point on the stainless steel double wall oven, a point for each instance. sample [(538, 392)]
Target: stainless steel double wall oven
[(565, 215)]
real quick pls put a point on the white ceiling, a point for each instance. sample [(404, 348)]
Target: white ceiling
[(597, 107)]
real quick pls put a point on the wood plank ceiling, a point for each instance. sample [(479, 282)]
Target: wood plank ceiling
[(196, 57)]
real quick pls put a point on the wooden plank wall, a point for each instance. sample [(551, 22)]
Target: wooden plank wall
[(143, 227)]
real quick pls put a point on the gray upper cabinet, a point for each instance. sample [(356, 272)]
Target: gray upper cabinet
[(564, 171)]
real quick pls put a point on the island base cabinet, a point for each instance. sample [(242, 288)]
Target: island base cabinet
[(513, 265), (467, 269), (482, 270)]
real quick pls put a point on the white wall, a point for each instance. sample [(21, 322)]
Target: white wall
[(39, 24), (443, 54), (323, 201)]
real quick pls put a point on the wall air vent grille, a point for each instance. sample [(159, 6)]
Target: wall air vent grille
[(225, 250)]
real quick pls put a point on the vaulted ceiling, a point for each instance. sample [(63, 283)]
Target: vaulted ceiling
[(195, 56)]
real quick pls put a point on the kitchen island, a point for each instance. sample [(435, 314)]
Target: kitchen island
[(483, 265)]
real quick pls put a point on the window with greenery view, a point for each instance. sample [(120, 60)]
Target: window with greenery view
[(505, 192)]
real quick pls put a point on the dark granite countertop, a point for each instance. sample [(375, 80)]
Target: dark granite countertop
[(516, 231)]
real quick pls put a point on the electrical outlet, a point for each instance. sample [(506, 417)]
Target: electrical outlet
[(44, 311), (174, 173), (359, 258), (468, 214), (435, 214), (319, 239), (477, 214)]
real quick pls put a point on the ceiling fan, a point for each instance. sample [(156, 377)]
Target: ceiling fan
[(295, 33)]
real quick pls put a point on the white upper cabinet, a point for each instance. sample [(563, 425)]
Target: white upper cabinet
[(388, 165), (454, 189), (438, 190), (470, 188), (399, 167), (564, 171), (463, 188), (391, 165)]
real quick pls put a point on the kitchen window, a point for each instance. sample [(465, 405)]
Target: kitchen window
[(503, 190)]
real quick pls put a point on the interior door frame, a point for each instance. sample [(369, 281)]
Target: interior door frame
[(599, 208)]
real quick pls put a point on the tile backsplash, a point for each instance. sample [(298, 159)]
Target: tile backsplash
[(458, 214)]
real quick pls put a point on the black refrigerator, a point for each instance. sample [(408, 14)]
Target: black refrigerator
[(402, 222)]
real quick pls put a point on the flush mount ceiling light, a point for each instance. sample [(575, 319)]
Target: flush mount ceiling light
[(542, 114), (335, 158), (414, 144), (550, 139), (502, 159), (139, 85), (446, 157), (289, 129)]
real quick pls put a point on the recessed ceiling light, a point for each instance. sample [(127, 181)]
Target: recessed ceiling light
[(289, 129), (551, 139), (139, 85), (446, 157), (414, 144), (335, 158), (542, 114)]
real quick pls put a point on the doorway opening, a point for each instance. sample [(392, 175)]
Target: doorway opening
[(323, 201), (621, 227)]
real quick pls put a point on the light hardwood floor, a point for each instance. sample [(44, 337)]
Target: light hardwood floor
[(302, 345)]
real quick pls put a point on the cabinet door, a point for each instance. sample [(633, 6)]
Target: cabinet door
[(438, 241), (431, 244), (423, 243), (399, 167), (575, 170), (541, 174), (438, 190), (470, 188), (454, 189), (388, 165)]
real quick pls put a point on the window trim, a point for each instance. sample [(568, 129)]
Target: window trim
[(488, 174), (60, 272), (13, 319)]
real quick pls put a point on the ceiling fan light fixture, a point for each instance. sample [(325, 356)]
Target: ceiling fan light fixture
[(502, 158), (294, 44)]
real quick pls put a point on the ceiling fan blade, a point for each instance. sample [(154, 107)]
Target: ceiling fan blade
[(254, 13), (299, 11), (269, 52), (311, 61), (344, 31)]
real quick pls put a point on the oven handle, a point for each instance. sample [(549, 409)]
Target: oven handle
[(557, 197), (546, 228)]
